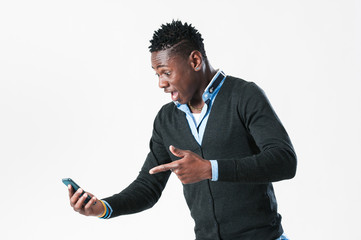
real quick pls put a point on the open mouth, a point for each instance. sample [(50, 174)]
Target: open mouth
[(174, 96)]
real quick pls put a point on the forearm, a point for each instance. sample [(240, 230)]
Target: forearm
[(273, 165), (140, 195)]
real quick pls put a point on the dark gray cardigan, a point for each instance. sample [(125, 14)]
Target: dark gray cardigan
[(252, 148)]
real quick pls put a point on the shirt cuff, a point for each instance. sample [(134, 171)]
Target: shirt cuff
[(214, 164)]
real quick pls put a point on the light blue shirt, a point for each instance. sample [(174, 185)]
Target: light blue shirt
[(198, 129)]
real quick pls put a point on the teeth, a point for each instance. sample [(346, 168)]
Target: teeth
[(174, 96)]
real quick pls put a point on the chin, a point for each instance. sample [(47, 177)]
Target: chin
[(182, 101)]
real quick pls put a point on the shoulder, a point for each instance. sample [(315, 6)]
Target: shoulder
[(166, 109), (240, 88), (166, 112)]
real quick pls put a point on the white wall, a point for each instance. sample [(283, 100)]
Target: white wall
[(78, 98)]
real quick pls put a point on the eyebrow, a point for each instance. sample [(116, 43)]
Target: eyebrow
[(159, 66)]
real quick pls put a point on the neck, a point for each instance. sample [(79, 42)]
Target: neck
[(206, 74), (195, 109)]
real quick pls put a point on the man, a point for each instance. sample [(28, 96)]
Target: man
[(222, 139)]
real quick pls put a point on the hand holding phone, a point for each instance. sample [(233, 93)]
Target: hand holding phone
[(88, 206), (69, 181)]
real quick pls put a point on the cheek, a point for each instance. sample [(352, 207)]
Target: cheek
[(184, 87), (183, 82)]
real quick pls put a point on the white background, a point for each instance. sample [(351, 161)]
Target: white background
[(78, 98)]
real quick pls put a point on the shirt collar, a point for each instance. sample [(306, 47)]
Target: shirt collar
[(212, 89)]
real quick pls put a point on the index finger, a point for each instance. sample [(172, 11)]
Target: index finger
[(164, 167), (70, 190)]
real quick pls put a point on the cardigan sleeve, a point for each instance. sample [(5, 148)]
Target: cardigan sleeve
[(146, 189), (276, 158)]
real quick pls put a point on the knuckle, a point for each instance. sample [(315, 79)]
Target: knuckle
[(186, 158), (188, 182)]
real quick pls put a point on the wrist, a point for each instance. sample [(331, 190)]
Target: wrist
[(106, 211), (208, 172), (101, 212)]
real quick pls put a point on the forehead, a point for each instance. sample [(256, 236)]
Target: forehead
[(165, 58)]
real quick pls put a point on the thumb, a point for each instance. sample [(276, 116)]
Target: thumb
[(176, 151)]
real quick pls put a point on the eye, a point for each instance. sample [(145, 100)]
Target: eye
[(167, 73)]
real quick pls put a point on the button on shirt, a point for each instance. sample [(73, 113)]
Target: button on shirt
[(198, 126)]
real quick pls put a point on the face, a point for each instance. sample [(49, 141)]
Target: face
[(176, 75)]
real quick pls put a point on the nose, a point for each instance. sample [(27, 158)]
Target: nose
[(162, 83)]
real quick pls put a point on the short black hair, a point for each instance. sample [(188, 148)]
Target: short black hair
[(183, 37)]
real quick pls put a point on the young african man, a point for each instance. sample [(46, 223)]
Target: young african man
[(219, 135)]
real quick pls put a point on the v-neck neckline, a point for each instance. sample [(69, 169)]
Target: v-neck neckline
[(215, 105)]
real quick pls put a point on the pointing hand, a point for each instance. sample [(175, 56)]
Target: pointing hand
[(191, 168)]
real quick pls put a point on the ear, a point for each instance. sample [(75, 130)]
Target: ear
[(196, 60)]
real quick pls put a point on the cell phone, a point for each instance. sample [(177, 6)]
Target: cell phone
[(75, 186)]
